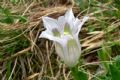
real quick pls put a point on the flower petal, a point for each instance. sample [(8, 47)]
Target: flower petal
[(69, 16), (50, 23), (61, 21), (60, 51), (75, 26), (80, 24), (69, 51), (73, 52), (49, 35)]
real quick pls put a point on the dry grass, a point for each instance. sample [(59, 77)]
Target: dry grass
[(38, 60)]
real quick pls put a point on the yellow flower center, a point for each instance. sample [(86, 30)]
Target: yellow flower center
[(67, 30)]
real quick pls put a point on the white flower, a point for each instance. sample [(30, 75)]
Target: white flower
[(64, 32)]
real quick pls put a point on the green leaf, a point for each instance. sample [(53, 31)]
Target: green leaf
[(79, 74), (8, 20), (115, 72), (14, 1), (117, 61), (117, 4), (104, 54), (8, 66), (5, 11), (22, 19)]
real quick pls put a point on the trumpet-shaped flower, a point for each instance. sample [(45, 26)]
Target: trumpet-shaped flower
[(64, 32)]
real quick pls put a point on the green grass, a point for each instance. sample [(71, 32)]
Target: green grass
[(20, 28)]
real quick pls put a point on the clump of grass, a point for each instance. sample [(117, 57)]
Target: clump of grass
[(24, 56)]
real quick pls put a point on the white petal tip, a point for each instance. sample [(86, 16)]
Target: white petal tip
[(86, 18), (44, 18), (40, 36)]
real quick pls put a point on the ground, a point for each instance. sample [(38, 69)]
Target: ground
[(23, 56)]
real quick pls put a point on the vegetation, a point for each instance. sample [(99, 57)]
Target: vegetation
[(23, 56)]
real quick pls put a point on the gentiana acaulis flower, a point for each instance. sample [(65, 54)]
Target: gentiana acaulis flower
[(64, 33)]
